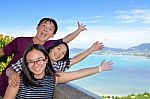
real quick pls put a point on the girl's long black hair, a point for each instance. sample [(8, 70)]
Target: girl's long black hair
[(28, 76), (66, 57)]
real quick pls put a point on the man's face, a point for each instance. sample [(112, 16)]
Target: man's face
[(45, 31)]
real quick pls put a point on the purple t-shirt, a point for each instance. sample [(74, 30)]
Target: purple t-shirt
[(17, 47)]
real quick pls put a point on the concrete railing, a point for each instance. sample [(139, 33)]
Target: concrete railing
[(69, 91)]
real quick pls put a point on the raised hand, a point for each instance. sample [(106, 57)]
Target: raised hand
[(81, 27), (97, 46)]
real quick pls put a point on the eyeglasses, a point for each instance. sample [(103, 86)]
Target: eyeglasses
[(38, 62)]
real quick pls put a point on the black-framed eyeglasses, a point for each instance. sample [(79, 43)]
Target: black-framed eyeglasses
[(38, 62)]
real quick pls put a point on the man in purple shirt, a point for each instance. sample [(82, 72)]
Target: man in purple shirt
[(46, 29)]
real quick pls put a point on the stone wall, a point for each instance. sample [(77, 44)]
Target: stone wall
[(67, 91)]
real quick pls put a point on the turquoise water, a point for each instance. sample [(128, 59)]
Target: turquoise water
[(130, 75)]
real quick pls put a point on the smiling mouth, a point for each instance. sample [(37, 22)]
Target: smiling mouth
[(37, 69)]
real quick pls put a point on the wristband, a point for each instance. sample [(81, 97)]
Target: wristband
[(100, 69)]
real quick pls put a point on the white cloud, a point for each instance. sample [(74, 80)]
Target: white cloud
[(111, 37), (97, 17), (133, 15), (19, 31), (68, 21), (90, 19)]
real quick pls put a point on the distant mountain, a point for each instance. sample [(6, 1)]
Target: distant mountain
[(144, 47), (76, 50), (113, 49)]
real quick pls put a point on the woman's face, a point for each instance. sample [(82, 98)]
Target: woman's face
[(58, 52), (36, 62)]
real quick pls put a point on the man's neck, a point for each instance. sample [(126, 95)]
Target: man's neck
[(37, 41)]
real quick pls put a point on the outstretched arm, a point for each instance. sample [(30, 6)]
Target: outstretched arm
[(95, 47), (74, 34), (64, 77)]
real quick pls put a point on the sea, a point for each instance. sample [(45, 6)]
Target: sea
[(130, 75)]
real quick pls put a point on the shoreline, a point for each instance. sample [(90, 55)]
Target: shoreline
[(103, 93), (115, 95), (114, 54)]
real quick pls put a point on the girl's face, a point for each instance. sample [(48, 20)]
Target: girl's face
[(58, 52), (36, 62)]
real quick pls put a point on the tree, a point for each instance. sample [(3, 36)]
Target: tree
[(4, 40)]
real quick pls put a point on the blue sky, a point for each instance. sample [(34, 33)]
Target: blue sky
[(116, 23)]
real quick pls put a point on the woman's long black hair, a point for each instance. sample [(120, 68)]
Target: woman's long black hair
[(28, 76)]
